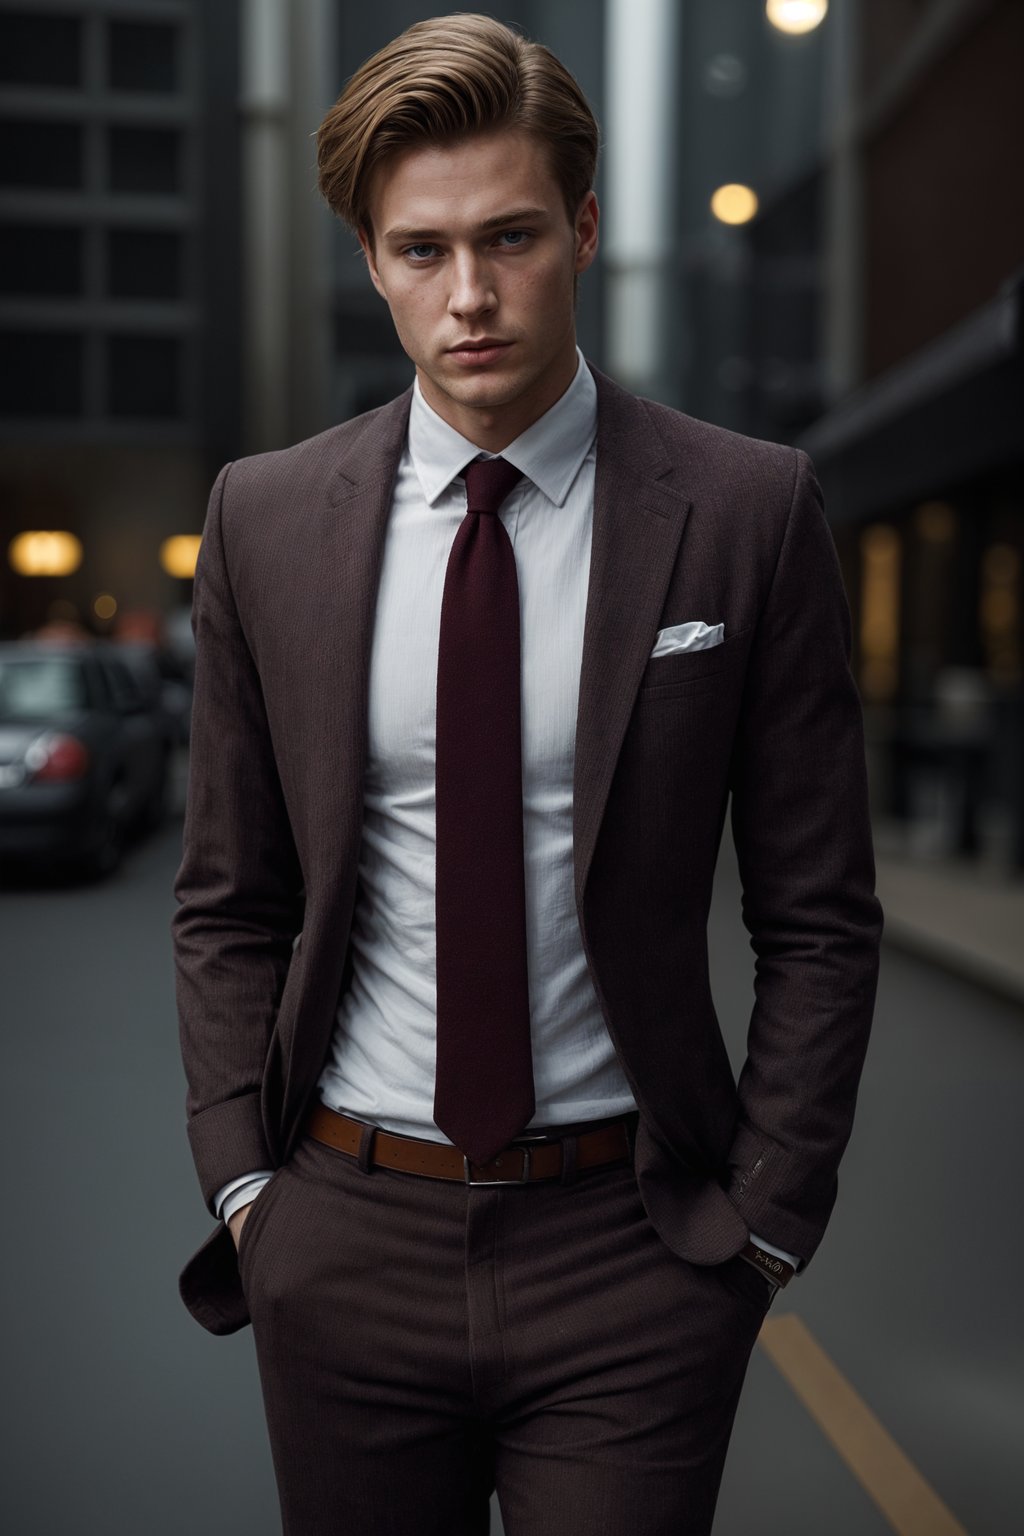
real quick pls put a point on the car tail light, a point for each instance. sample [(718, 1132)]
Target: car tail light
[(56, 757)]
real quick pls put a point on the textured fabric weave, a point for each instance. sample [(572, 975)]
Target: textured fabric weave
[(689, 522), (422, 1345), (484, 1092)]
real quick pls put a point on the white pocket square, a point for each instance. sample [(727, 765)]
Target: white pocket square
[(694, 636)]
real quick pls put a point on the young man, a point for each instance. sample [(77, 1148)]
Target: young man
[(476, 675)]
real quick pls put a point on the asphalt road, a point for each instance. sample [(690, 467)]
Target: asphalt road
[(123, 1418)]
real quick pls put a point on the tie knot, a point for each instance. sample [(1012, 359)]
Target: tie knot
[(488, 482)]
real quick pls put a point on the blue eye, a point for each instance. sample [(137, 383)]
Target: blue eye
[(419, 252), (517, 236)]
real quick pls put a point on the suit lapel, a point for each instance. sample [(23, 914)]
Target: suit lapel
[(638, 521), (343, 602)]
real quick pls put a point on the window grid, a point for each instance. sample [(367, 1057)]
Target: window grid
[(97, 316)]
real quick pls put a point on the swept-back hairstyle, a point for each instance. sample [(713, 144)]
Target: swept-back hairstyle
[(439, 81)]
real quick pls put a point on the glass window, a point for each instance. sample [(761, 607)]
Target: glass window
[(144, 375), (40, 154), (143, 56), (40, 259), (41, 373), (145, 160), (33, 688), (40, 50), (144, 263)]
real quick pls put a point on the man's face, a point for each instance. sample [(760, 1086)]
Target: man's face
[(474, 253)]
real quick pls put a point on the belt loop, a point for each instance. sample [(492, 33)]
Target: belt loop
[(568, 1175), (365, 1153)]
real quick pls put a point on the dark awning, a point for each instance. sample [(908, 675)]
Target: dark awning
[(951, 412)]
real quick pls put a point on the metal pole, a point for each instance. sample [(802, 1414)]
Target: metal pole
[(642, 56), (265, 244)]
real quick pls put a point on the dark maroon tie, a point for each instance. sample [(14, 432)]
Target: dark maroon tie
[(483, 1093)]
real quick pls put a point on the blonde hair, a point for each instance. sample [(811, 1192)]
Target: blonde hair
[(441, 80)]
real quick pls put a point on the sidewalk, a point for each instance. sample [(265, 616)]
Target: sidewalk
[(964, 916)]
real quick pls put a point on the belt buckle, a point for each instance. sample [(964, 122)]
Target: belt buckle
[(488, 1183)]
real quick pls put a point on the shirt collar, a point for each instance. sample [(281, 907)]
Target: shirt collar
[(549, 452)]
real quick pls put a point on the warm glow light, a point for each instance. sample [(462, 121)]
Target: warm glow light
[(880, 611), (1001, 564), (105, 606), (734, 203), (999, 609), (44, 553), (178, 554), (796, 15), (935, 522)]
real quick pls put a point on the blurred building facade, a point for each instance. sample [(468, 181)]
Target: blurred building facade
[(919, 444), (120, 247), (173, 293)]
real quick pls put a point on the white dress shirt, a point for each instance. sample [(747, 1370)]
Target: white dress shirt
[(380, 1066)]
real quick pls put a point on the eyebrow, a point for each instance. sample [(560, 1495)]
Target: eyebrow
[(500, 220)]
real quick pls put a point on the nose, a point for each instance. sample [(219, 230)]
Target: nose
[(472, 289)]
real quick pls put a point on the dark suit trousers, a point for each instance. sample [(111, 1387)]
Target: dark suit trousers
[(422, 1343)]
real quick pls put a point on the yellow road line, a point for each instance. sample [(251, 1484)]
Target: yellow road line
[(910, 1505)]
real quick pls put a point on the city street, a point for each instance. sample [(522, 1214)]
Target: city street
[(673, 350), (124, 1418)]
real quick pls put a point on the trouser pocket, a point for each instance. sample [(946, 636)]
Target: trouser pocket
[(253, 1224), (742, 1279)]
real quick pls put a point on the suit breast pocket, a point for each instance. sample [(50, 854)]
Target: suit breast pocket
[(681, 670)]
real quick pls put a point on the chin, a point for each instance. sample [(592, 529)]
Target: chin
[(494, 391)]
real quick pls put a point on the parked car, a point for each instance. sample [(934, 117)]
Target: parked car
[(167, 688), (84, 757)]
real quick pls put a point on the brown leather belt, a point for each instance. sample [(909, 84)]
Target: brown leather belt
[(524, 1160)]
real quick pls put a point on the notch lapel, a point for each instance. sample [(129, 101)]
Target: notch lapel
[(638, 522), (355, 518), (347, 533)]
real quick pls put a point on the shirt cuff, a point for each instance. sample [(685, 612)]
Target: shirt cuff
[(232, 1196), (780, 1253)]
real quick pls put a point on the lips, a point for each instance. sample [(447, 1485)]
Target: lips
[(478, 353)]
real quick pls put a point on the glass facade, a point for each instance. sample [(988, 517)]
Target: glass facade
[(100, 210)]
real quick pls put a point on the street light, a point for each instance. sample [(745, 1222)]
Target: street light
[(796, 16), (734, 203), (178, 554), (44, 552)]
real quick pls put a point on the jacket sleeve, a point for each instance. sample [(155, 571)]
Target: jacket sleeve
[(238, 887), (799, 816)]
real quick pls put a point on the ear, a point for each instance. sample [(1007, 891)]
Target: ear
[(366, 241), (586, 232)]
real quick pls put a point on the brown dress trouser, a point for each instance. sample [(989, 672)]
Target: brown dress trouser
[(422, 1343)]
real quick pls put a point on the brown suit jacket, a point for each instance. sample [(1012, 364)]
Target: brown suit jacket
[(690, 522)]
